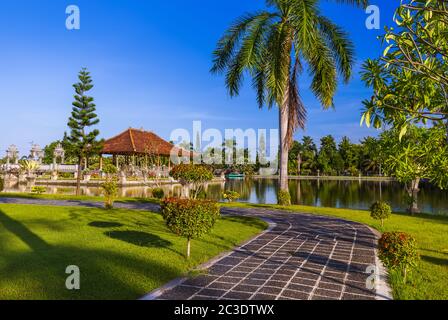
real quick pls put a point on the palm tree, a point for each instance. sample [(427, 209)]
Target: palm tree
[(272, 46)]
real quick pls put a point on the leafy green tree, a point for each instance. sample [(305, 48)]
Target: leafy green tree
[(371, 158), (420, 154), (49, 152), (192, 177), (295, 158), (329, 159), (69, 158), (190, 218), (380, 210), (273, 47), (410, 81), (81, 141), (349, 154), (309, 161)]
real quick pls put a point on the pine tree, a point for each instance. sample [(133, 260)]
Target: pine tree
[(83, 142)]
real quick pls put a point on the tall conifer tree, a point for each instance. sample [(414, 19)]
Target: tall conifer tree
[(82, 141)]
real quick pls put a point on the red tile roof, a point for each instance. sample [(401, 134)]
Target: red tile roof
[(138, 141)]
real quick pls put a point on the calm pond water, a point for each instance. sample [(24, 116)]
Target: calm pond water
[(337, 194)]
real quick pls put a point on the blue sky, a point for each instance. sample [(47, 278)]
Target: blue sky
[(150, 63)]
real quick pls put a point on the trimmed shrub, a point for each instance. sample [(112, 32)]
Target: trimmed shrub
[(199, 194), (2, 184), (284, 198), (188, 218), (110, 169), (38, 190), (158, 193), (398, 251), (231, 196), (110, 189), (192, 177), (380, 210)]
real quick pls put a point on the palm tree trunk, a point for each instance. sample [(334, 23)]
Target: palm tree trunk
[(284, 148)]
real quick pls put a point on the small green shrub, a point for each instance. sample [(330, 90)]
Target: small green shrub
[(199, 194), (158, 193), (190, 218), (193, 177), (284, 198), (398, 251), (231, 196), (380, 210), (2, 184), (191, 173), (110, 169), (110, 189), (38, 190), (66, 175)]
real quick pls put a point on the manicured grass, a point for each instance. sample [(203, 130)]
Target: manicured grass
[(122, 254), (71, 197), (430, 279)]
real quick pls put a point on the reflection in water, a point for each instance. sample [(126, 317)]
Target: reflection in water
[(336, 194)]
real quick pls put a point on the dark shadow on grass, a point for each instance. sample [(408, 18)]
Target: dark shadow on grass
[(19, 230), (104, 274), (105, 224), (45, 266), (138, 238), (437, 261)]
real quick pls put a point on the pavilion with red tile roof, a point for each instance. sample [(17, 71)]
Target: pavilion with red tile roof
[(138, 143)]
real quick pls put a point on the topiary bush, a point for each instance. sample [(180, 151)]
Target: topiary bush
[(189, 218), (192, 177), (38, 190), (110, 169), (284, 198), (398, 251), (158, 193), (231, 196), (110, 189), (380, 210)]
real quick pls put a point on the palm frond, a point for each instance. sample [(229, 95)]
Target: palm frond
[(297, 110), (279, 62), (357, 3), (225, 48), (342, 48), (323, 70), (304, 21), (239, 49), (259, 84)]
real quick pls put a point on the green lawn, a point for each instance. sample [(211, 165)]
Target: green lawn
[(71, 197), (430, 279), (122, 254)]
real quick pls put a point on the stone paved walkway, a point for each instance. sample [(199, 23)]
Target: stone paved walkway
[(302, 257)]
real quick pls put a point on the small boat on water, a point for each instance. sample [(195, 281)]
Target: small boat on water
[(236, 175)]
